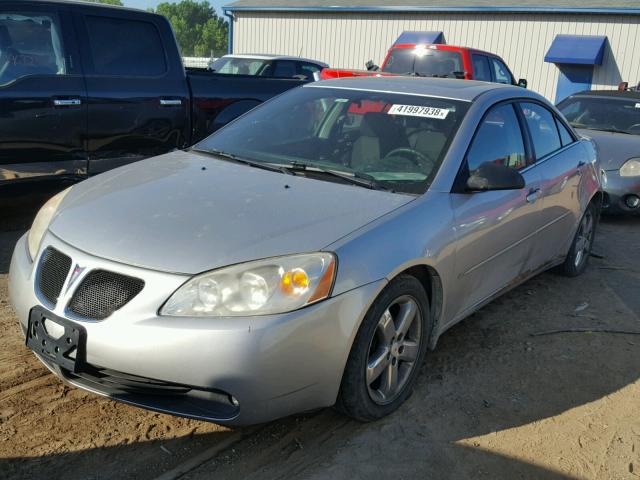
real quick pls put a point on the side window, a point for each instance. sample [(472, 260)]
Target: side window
[(501, 72), (542, 127), (481, 68), (572, 110), (498, 140), (30, 44), (565, 135), (125, 47), (285, 69)]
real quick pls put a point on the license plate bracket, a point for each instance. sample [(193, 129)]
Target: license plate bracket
[(68, 350)]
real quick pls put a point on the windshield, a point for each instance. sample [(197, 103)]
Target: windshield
[(424, 61), (609, 114), (396, 141), (238, 66)]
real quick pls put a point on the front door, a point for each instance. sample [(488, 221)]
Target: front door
[(136, 87), (43, 112), (495, 229)]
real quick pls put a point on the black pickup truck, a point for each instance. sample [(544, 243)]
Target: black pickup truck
[(86, 87)]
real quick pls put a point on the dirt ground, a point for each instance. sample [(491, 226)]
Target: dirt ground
[(495, 400)]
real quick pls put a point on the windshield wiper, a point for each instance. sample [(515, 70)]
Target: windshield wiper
[(355, 178), (244, 161)]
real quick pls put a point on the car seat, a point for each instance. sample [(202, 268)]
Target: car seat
[(379, 134)]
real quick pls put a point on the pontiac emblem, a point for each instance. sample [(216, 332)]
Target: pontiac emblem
[(75, 274)]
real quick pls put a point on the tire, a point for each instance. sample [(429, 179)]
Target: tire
[(365, 396), (578, 257)]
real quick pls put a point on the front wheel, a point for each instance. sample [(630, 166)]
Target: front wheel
[(578, 257), (387, 353)]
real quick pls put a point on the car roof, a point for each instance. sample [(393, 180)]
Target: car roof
[(84, 4), (451, 48), (630, 94), (261, 56), (464, 90)]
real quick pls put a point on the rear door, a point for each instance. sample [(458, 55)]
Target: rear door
[(495, 229), (43, 111), (138, 101), (560, 161)]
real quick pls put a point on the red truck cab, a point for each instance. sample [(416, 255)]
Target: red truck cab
[(406, 57)]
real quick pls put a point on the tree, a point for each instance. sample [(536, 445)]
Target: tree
[(199, 31), (109, 2)]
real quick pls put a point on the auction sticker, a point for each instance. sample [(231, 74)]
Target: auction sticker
[(637, 105), (419, 111)]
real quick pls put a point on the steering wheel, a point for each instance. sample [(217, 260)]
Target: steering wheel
[(418, 158)]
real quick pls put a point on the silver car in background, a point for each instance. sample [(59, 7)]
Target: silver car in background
[(611, 118), (309, 253)]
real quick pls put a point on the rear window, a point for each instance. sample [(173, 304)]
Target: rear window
[(241, 66), (609, 114), (428, 62), (125, 47)]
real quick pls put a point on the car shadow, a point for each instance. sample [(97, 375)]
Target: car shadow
[(502, 396)]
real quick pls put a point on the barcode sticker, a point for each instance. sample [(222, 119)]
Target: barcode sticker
[(419, 111)]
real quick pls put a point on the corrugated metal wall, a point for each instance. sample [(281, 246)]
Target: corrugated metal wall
[(350, 39)]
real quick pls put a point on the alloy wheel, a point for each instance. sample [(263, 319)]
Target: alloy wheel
[(394, 349), (584, 238)]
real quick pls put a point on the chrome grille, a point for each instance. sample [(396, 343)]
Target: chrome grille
[(53, 271), (101, 293)]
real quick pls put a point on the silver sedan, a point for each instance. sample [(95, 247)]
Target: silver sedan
[(611, 118), (310, 253)]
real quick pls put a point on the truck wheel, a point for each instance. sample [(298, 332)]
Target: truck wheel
[(387, 353), (578, 256)]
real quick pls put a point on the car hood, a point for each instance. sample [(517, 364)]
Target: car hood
[(613, 148), (187, 212)]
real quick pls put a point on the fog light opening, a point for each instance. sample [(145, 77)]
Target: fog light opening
[(632, 201)]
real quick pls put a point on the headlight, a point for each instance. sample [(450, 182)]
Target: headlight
[(273, 285), (42, 221), (631, 168)]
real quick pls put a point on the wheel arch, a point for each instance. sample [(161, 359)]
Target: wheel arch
[(432, 283)]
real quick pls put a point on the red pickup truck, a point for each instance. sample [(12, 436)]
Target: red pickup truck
[(408, 57)]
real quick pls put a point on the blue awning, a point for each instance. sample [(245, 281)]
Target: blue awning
[(418, 38), (577, 49)]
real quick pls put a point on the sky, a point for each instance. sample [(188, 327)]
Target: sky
[(144, 4)]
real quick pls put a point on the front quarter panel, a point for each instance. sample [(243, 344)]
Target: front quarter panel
[(421, 233)]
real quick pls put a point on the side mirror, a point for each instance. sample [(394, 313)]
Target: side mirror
[(459, 74), (523, 83), (492, 176), (372, 67)]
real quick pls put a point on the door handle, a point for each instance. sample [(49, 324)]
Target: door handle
[(533, 194), (579, 167), (170, 102), (67, 102)]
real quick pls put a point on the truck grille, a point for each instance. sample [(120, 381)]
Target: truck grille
[(53, 271), (101, 293)]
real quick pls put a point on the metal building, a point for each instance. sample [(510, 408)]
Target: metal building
[(559, 46)]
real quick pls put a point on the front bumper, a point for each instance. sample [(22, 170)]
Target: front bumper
[(617, 189), (272, 366)]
